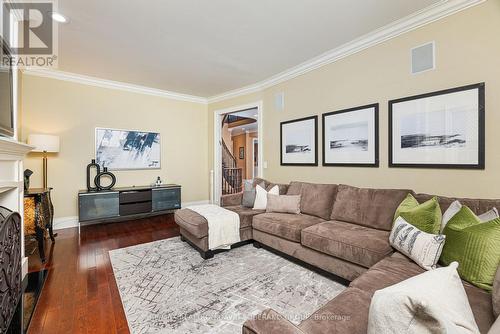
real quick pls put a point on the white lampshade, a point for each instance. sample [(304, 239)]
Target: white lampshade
[(44, 143)]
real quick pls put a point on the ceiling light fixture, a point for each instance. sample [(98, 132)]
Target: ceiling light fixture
[(59, 17)]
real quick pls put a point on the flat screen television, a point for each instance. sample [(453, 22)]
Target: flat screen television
[(6, 92)]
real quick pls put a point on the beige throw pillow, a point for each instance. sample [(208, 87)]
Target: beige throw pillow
[(261, 196), (495, 329), (283, 203), (432, 302)]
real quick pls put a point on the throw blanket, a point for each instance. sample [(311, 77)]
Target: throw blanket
[(223, 225)]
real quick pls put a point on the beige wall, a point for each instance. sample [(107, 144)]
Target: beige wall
[(72, 111), (468, 51)]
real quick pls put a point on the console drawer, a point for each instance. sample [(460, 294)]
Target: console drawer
[(135, 196)]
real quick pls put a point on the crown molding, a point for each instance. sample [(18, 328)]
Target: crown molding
[(414, 21), (104, 83)]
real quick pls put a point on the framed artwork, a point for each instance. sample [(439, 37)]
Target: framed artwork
[(442, 129), (127, 149), (299, 142), (350, 137), (242, 153)]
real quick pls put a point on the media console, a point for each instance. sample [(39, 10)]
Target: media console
[(127, 203)]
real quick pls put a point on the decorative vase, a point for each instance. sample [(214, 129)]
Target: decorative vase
[(98, 177), (27, 174), (92, 165)]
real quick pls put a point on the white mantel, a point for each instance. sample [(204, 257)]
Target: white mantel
[(12, 154)]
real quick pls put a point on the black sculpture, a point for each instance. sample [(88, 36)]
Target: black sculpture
[(27, 174), (98, 177), (97, 168)]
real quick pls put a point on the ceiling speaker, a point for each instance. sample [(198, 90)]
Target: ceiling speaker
[(423, 58)]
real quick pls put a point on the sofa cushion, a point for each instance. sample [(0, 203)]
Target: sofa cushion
[(397, 268), (246, 214), (478, 206), (269, 185), (284, 225), (367, 207), (346, 313), (316, 199), (358, 244)]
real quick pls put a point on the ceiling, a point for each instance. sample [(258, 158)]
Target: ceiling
[(205, 48)]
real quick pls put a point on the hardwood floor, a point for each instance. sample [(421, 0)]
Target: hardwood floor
[(80, 294)]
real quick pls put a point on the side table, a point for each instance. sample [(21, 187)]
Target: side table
[(44, 216)]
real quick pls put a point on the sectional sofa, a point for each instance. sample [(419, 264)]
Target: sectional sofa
[(342, 230)]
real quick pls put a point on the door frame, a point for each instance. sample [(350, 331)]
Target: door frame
[(218, 115)]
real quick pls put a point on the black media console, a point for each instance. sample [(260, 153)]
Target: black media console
[(127, 203)]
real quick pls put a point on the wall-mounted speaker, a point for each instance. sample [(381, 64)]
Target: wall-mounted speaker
[(423, 58)]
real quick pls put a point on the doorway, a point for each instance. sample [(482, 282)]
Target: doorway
[(238, 149)]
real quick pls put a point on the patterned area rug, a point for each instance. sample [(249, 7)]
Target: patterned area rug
[(166, 287)]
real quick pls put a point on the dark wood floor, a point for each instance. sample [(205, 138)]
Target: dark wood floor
[(80, 294)]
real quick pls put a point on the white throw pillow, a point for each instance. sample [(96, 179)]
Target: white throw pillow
[(432, 302), (423, 248), (261, 196), (456, 206)]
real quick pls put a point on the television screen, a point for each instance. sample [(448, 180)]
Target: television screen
[(6, 90)]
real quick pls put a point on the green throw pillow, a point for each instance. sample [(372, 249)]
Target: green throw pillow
[(426, 216), (474, 245)]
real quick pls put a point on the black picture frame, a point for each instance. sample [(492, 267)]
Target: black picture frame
[(376, 163), (242, 153), (481, 129), (315, 163)]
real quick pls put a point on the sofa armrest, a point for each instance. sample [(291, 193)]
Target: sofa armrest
[(270, 322), (231, 199)]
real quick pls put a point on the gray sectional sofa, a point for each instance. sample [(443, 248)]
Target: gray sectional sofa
[(342, 230)]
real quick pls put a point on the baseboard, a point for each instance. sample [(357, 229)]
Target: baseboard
[(65, 222), (72, 221), (195, 203)]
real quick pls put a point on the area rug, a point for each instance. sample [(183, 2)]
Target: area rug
[(166, 287)]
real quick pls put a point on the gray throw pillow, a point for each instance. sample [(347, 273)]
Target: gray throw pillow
[(249, 194)]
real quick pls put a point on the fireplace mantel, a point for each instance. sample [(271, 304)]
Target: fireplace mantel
[(12, 154)]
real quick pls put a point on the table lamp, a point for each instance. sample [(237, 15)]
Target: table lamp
[(45, 144)]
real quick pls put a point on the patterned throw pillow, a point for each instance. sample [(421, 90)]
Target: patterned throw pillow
[(426, 216), (475, 245), (423, 248)]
